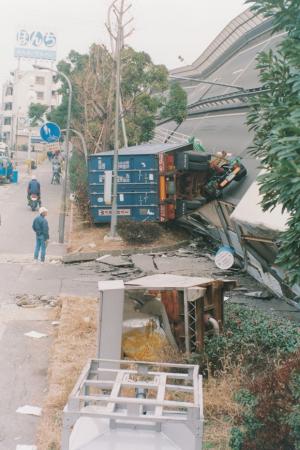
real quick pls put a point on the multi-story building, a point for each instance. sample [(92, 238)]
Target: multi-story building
[(24, 88)]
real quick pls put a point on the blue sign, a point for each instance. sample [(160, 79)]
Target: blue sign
[(50, 132)]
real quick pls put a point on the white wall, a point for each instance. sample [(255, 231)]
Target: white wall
[(33, 86)]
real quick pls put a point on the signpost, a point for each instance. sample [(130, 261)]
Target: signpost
[(50, 132)]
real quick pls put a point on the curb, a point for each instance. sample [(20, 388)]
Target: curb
[(293, 303), (85, 257)]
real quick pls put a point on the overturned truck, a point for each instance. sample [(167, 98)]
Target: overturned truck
[(159, 182)]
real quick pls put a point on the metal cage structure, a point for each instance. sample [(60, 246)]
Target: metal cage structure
[(163, 400)]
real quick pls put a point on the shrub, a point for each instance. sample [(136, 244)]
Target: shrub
[(250, 337), (266, 352), (138, 232), (271, 412), (79, 182)]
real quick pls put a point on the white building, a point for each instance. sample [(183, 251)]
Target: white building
[(24, 88)]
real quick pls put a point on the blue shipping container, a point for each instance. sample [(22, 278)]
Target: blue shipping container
[(138, 182)]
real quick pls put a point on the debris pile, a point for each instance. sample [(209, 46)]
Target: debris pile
[(33, 301)]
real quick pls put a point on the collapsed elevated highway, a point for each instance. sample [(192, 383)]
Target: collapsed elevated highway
[(217, 115)]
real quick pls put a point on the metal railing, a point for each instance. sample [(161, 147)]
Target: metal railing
[(163, 135), (166, 135), (238, 33), (233, 98)]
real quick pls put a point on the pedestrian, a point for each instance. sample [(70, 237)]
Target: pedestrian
[(49, 155), (56, 170), (41, 228)]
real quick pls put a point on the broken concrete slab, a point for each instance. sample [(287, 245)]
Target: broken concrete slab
[(35, 335), (73, 258), (263, 295), (26, 447), (30, 410), (116, 261), (144, 263)]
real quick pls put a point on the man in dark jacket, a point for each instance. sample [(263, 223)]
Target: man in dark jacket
[(41, 228), (34, 187)]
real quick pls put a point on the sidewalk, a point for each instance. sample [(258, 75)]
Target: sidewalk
[(23, 378)]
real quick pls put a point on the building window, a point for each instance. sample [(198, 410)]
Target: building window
[(40, 80), (40, 95), (7, 120), (7, 106), (9, 90), (54, 93)]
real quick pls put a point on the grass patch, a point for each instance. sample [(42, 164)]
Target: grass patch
[(220, 409)]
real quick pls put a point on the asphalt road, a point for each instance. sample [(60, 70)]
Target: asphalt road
[(240, 70), (17, 241), (23, 376), (16, 234)]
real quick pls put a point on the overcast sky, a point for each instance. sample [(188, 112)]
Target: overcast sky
[(163, 28)]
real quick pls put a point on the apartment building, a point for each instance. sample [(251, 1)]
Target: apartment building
[(24, 88)]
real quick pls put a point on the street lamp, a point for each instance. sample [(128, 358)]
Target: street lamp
[(62, 214), (213, 83), (80, 135)]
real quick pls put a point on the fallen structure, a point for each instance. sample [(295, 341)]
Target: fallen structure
[(130, 404), (217, 117), (186, 308)]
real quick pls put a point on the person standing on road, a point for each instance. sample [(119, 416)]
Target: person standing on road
[(41, 228)]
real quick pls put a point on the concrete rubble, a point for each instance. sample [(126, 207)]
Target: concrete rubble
[(33, 301)]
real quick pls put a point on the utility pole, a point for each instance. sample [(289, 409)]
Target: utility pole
[(119, 9), (113, 46)]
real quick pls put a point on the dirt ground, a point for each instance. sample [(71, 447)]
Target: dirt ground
[(86, 238), (75, 343)]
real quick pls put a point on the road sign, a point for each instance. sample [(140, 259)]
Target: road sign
[(53, 147), (50, 132)]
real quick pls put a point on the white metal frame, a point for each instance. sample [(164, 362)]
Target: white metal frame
[(106, 389)]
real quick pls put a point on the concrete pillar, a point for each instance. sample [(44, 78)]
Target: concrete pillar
[(110, 319)]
